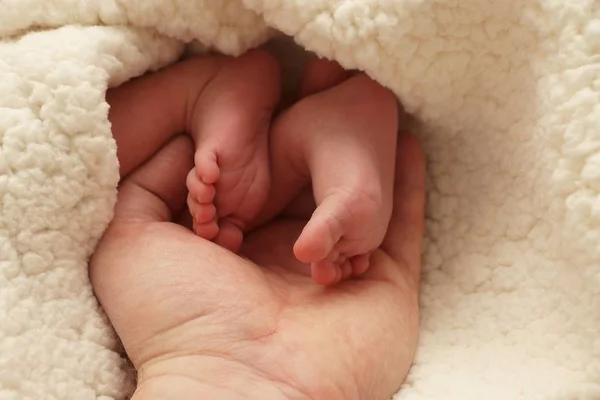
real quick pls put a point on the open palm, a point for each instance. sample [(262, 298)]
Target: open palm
[(176, 299)]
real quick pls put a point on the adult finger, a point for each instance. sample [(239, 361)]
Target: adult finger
[(156, 191), (404, 239)]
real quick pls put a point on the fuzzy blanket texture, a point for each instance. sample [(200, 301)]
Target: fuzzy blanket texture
[(506, 95)]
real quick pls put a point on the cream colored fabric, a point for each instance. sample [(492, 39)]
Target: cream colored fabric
[(507, 99)]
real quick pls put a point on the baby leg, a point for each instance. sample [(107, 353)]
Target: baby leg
[(344, 140), (351, 157), (146, 112), (287, 184), (230, 124)]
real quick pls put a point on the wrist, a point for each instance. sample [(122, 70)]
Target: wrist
[(202, 377)]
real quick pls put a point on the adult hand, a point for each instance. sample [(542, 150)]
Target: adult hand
[(197, 320)]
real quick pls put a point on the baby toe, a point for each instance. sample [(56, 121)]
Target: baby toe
[(208, 230), (360, 264), (325, 272), (207, 169), (205, 213), (230, 236), (346, 269), (200, 191)]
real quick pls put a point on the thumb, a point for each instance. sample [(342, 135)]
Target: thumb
[(404, 239), (156, 190)]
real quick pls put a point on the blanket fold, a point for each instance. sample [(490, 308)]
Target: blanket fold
[(506, 95)]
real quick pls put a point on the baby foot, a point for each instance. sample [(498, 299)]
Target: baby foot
[(230, 180), (342, 232), (350, 155)]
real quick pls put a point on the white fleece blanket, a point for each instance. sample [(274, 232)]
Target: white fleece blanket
[(506, 95)]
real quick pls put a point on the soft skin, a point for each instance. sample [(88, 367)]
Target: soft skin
[(197, 320)]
